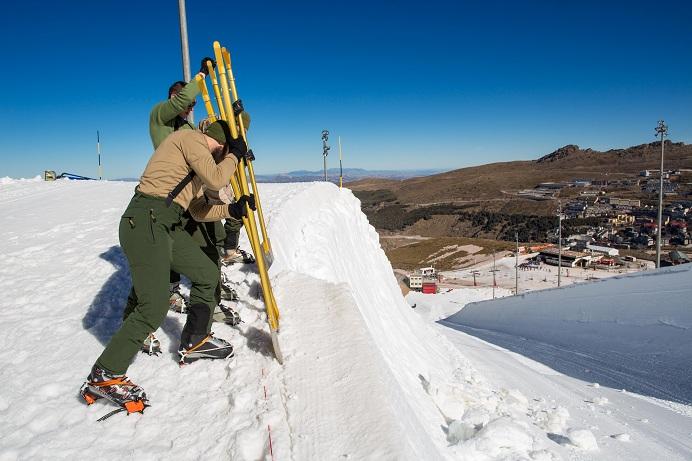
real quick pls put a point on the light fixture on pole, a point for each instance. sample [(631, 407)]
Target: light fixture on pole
[(661, 130), (325, 150)]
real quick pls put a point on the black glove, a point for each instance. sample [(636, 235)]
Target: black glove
[(237, 209), (203, 68), (237, 147), (251, 201)]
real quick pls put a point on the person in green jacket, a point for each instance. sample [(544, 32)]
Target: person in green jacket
[(154, 241)]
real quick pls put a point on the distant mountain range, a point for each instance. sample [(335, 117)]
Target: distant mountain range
[(349, 174), (494, 186)]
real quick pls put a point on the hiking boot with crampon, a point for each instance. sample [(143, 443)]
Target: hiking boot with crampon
[(115, 388), (226, 315), (151, 345), (176, 302), (205, 347), (228, 293), (235, 256)]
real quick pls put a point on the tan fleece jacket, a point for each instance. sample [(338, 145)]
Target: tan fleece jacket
[(181, 152)]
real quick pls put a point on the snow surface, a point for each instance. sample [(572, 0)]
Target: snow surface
[(632, 331), (365, 376)]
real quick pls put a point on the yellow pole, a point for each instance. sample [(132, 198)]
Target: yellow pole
[(205, 97), (237, 193), (250, 224), (266, 244), (217, 93), (230, 118)]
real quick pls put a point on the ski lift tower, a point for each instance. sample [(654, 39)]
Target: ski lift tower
[(325, 150), (662, 130), (475, 273), (494, 270)]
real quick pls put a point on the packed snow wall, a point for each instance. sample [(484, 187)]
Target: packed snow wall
[(638, 325), (322, 233)]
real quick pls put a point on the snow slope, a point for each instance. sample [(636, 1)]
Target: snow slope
[(632, 331), (570, 390), (365, 376)]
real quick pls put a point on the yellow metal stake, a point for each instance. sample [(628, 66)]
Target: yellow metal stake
[(266, 244), (240, 187), (205, 97), (267, 254), (217, 93)]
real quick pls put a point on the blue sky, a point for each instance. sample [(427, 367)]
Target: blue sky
[(405, 84)]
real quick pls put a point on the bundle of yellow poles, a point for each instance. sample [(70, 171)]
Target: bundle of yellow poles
[(230, 109)]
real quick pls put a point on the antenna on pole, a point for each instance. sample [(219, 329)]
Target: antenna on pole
[(185, 49), (341, 167), (662, 130), (325, 150), (98, 151)]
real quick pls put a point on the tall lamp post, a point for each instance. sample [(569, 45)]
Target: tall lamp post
[(661, 130), (516, 265), (559, 243)]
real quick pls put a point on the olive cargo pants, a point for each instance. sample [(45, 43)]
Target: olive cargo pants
[(154, 241)]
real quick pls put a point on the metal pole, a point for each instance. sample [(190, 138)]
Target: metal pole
[(516, 265), (494, 274), (185, 49), (98, 151), (661, 129), (559, 243)]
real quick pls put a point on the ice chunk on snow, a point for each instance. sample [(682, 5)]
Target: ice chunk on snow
[(600, 401), (460, 431), (583, 439), (502, 437), (555, 421)]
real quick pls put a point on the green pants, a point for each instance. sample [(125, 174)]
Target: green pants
[(232, 228), (209, 236), (154, 240)]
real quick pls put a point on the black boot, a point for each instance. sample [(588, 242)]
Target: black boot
[(196, 343)]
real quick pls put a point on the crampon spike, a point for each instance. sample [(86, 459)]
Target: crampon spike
[(133, 406)]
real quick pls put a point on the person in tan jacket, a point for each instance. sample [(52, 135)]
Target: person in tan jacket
[(154, 241)]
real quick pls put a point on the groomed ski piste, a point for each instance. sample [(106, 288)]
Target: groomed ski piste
[(365, 375)]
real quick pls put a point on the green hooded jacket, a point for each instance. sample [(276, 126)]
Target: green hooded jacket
[(163, 116)]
